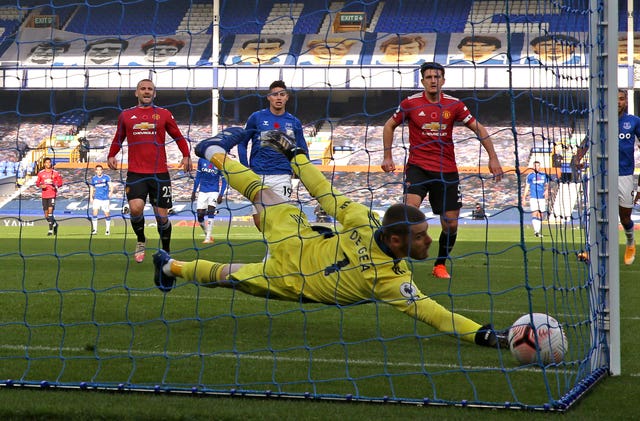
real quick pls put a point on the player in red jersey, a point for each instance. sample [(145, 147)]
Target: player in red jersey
[(49, 180), (431, 167), (145, 127)]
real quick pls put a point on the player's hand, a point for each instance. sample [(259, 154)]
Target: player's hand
[(637, 198), (112, 163), (219, 199), (388, 165), (186, 164), (496, 168), (193, 196)]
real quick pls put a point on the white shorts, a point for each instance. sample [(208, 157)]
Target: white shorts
[(206, 199), (626, 191), (539, 205), (101, 205), (280, 184)]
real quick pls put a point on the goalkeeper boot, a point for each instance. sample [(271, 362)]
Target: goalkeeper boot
[(164, 282), (226, 139), (280, 142)]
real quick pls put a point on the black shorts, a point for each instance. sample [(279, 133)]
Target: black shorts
[(48, 203), (156, 186), (443, 188)]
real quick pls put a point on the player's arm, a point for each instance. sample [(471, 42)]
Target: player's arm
[(116, 144), (526, 188), (300, 140), (331, 200), (223, 187), (243, 146), (58, 180), (92, 192), (196, 183), (485, 140), (421, 307), (387, 143)]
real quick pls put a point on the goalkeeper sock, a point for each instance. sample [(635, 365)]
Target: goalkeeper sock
[(239, 177), (202, 271)]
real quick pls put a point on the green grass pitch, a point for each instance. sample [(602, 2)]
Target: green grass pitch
[(88, 313)]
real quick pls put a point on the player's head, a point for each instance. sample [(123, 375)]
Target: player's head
[(623, 101), (277, 96), (47, 162), (105, 50), (99, 169), (158, 50), (432, 77), (145, 92), (536, 166), (404, 231)]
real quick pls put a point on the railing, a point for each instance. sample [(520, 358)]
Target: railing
[(316, 78)]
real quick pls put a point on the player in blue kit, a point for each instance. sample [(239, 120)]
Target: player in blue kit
[(100, 191), (365, 261), (210, 188), (628, 195), (273, 167), (538, 185)]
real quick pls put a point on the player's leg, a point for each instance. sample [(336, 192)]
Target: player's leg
[(446, 201), (137, 191), (94, 217), (53, 224), (211, 214), (626, 196), (107, 219), (161, 199), (200, 214)]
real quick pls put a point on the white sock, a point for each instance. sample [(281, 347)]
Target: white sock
[(537, 225), (212, 150), (209, 227), (108, 223), (166, 269), (94, 223)]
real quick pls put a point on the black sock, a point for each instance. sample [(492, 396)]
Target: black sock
[(137, 223), (165, 235)]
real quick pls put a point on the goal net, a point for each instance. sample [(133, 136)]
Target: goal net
[(78, 312)]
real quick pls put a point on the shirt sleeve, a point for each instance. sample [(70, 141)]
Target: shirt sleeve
[(118, 138), (175, 133)]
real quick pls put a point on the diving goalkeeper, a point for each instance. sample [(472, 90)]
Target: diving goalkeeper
[(363, 262)]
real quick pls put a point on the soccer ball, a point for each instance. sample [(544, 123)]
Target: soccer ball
[(537, 337)]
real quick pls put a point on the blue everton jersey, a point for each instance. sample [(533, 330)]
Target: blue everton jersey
[(101, 186), (628, 132), (266, 161), (537, 184), (208, 178)]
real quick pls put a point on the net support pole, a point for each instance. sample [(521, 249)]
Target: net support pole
[(215, 54), (630, 58), (603, 188)]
